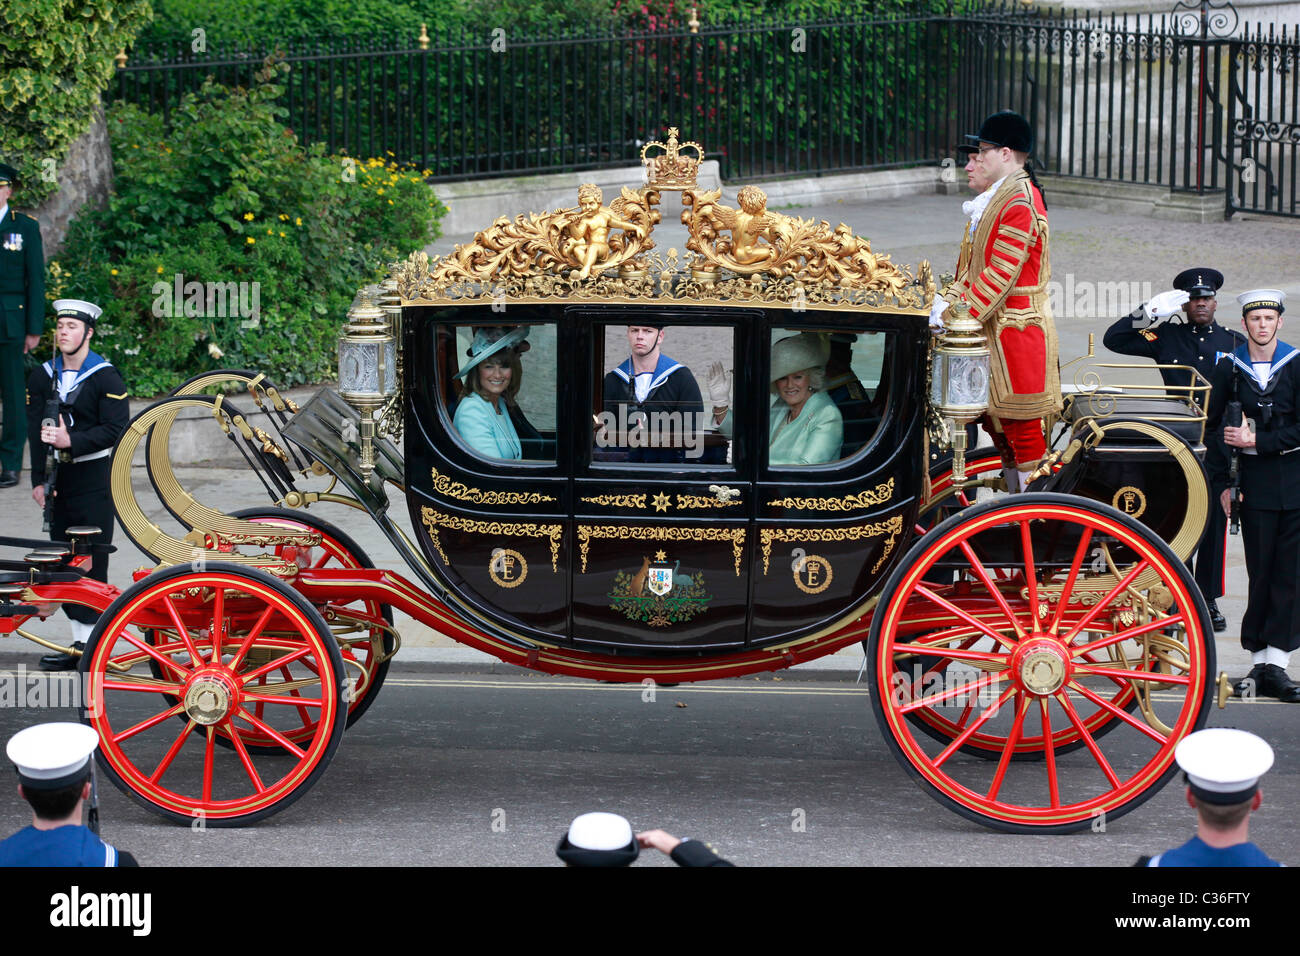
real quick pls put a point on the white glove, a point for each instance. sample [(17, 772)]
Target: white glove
[(719, 384), (1166, 304), (937, 309)]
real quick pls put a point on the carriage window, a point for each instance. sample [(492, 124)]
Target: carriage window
[(499, 384), (656, 388), (828, 394)]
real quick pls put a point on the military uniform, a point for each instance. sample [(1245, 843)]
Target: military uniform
[(95, 410), (22, 313), (1270, 489), (1199, 347), (669, 389), (55, 764), (1223, 768)]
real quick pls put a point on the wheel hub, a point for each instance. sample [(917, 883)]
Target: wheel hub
[(209, 698), (1042, 666)]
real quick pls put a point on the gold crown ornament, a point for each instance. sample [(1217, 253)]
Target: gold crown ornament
[(670, 167)]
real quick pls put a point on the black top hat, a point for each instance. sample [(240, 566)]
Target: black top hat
[(1004, 128), (1199, 282), (8, 175)]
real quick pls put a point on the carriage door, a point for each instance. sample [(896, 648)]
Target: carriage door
[(663, 498)]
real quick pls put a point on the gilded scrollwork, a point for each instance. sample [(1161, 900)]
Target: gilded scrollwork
[(434, 520), (782, 246), (617, 501), (878, 495), (579, 241), (687, 502), (891, 527), (591, 532), (462, 492), (604, 253)]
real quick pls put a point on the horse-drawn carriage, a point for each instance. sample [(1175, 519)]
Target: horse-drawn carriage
[(1033, 659)]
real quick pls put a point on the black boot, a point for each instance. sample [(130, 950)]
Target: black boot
[(1278, 683), (1217, 620), (1249, 686), (62, 662)]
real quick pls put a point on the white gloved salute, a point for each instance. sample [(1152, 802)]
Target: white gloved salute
[(937, 310), (719, 384), (1166, 304)]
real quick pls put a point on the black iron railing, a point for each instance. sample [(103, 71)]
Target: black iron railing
[(1152, 100)]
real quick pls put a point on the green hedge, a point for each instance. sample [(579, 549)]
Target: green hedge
[(222, 194)]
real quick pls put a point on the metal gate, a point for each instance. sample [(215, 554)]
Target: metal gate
[(1264, 124)]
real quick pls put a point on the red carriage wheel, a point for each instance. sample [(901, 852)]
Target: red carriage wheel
[(1038, 660), (366, 650), (228, 641)]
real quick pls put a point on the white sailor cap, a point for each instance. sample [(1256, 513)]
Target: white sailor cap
[(598, 839), (1223, 766), (87, 312), (50, 756), (1262, 299)]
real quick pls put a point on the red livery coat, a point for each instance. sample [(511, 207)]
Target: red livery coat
[(1003, 272)]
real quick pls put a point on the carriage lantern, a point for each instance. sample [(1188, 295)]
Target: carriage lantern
[(367, 370), (959, 378)]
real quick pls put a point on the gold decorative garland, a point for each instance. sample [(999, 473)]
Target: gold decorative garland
[(863, 499), (590, 532), (433, 520), (685, 502), (891, 527), (617, 501), (462, 492)]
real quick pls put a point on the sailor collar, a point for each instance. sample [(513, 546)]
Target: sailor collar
[(663, 369), (1282, 354), (94, 363)]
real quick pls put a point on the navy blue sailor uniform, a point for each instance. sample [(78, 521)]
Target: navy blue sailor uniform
[(1196, 852), (94, 406), (669, 389), (1269, 476), (1199, 347), (70, 845)]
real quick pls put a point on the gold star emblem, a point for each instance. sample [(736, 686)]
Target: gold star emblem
[(660, 556), (660, 502)]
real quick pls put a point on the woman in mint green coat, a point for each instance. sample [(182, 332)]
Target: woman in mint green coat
[(492, 376), (805, 427)]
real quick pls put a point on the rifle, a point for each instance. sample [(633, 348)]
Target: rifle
[(49, 420), (1232, 417)]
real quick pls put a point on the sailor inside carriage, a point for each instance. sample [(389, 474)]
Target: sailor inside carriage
[(652, 410)]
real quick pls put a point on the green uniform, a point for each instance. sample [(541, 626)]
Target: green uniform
[(22, 313)]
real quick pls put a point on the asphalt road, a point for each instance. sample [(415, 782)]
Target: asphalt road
[(488, 770)]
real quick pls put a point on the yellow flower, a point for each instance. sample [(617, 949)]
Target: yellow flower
[(281, 235), (390, 202), (380, 191), (283, 217), (251, 240), (248, 217), (112, 272), (298, 221), (160, 270), (268, 232)]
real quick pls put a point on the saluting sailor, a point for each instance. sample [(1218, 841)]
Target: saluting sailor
[(55, 778), (93, 413), (1265, 378), (1198, 343), (1223, 768)]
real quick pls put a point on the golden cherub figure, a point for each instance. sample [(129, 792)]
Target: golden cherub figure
[(749, 225), (591, 231)]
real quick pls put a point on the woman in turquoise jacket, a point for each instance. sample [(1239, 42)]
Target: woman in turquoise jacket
[(492, 376), (805, 427)]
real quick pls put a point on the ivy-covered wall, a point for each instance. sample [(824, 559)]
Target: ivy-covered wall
[(56, 57)]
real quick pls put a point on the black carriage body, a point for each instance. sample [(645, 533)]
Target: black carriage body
[(555, 549)]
